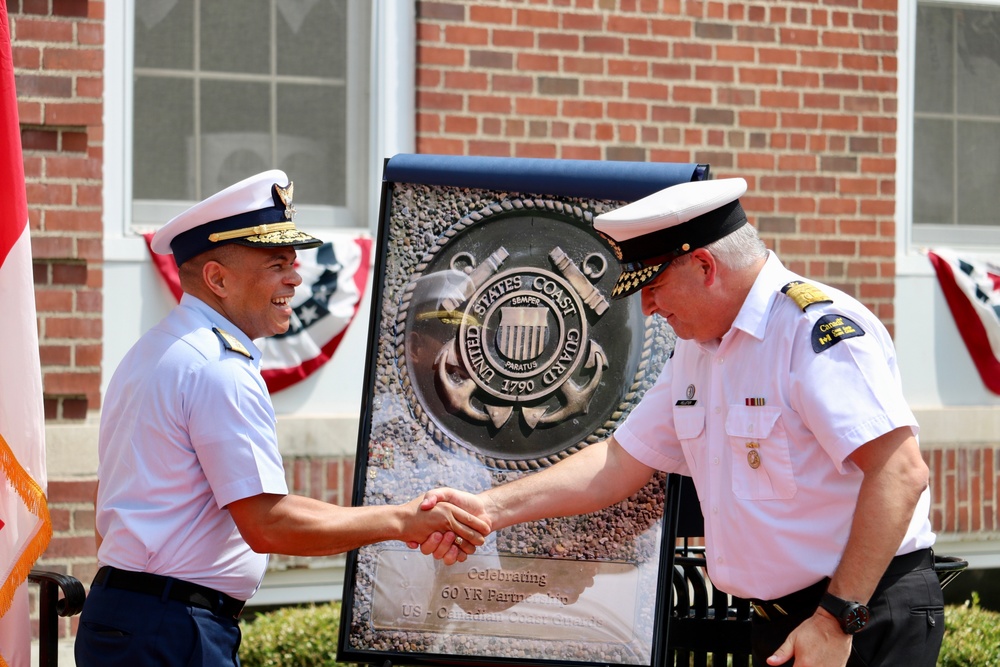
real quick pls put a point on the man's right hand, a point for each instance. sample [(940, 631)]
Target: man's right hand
[(448, 546)]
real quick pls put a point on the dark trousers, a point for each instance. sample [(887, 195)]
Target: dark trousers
[(127, 629), (907, 623)]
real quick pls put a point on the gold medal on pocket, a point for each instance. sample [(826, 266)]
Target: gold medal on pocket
[(753, 455)]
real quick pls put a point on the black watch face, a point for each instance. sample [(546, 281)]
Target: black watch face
[(856, 618)]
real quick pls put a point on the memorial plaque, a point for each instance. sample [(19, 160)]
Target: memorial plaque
[(495, 351)]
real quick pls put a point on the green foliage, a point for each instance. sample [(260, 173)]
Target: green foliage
[(292, 637), (307, 637), (971, 636)]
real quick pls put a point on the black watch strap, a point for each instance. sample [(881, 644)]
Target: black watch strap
[(853, 616)]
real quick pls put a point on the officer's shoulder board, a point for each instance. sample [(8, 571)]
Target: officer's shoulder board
[(829, 329), (230, 342)]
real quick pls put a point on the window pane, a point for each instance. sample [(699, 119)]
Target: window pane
[(933, 172), (236, 37), (313, 40), (956, 123), (228, 88), (236, 136), (165, 32), (935, 49), (978, 74), (228, 106), (979, 178), (163, 131), (311, 142)]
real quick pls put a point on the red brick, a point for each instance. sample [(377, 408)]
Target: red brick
[(88, 60), (71, 491), (89, 87), (72, 328), (490, 148), (73, 220), (628, 67), (26, 58), (67, 547), (461, 124), (578, 65), (527, 18), (528, 62), (513, 38), (491, 15), (55, 355), (445, 11), (53, 300), (582, 22), (43, 30), (87, 355), (463, 34), (582, 109), (435, 55), (559, 42)]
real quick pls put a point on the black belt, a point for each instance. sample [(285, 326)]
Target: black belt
[(176, 589), (807, 599)]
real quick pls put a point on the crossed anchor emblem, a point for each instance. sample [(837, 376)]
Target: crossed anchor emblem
[(522, 337)]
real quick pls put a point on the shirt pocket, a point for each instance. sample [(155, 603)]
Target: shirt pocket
[(689, 424), (762, 465)]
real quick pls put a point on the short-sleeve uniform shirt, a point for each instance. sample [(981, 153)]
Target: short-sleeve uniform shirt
[(764, 421), (188, 427)]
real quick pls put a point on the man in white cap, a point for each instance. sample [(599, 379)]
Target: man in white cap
[(192, 495), (782, 400)]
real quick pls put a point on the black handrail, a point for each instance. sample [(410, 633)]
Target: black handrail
[(51, 607)]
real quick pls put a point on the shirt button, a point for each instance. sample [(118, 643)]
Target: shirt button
[(721, 359), (717, 409), (716, 460), (719, 560), (715, 510), (750, 428)]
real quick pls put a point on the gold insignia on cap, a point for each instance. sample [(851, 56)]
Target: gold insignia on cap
[(230, 342), (284, 235), (256, 230), (285, 195), (804, 294), (615, 248)]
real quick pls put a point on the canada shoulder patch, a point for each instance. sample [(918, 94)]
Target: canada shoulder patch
[(804, 294), (831, 329), (230, 342)]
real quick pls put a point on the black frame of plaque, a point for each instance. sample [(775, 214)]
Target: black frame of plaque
[(538, 189)]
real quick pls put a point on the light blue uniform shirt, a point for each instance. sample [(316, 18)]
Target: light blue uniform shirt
[(187, 428)]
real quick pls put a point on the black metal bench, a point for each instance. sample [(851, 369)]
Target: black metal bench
[(51, 607), (705, 621)]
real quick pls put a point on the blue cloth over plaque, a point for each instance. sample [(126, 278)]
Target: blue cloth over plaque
[(612, 180)]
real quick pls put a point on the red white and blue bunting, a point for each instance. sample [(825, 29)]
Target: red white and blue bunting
[(971, 288)]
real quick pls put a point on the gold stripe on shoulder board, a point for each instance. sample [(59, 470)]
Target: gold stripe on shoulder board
[(804, 294), (230, 342)]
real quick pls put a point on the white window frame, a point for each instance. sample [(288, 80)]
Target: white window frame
[(389, 114)]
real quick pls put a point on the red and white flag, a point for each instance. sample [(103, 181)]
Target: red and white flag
[(971, 288), (25, 529)]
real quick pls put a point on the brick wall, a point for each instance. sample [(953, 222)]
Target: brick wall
[(965, 500), (58, 52), (799, 98)]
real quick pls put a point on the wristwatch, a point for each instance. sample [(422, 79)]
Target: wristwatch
[(853, 616)]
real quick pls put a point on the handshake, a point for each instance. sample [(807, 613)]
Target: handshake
[(449, 524)]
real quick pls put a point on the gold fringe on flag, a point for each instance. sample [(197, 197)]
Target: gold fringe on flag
[(33, 496)]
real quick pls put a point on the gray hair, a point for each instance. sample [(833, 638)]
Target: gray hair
[(739, 249)]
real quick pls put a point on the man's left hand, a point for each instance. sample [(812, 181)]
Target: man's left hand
[(817, 642)]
